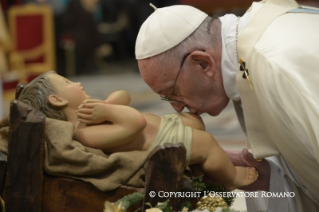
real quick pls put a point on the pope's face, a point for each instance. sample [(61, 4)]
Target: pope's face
[(73, 92), (193, 89)]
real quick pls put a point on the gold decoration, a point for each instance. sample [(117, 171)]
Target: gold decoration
[(243, 68), (211, 203), (184, 209), (111, 207), (153, 210)]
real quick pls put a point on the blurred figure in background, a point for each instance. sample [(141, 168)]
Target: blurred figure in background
[(78, 22), (112, 23)]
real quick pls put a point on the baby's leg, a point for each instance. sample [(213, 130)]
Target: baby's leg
[(216, 164)]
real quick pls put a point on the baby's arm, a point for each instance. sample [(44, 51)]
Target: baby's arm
[(120, 97), (124, 124)]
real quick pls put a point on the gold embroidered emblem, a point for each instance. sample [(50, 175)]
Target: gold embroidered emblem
[(246, 73)]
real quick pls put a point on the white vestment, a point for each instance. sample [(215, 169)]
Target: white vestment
[(281, 53), (229, 64)]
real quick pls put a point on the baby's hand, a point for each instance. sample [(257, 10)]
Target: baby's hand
[(91, 112), (91, 101)]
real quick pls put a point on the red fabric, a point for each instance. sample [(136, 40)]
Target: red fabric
[(29, 34), (9, 85)]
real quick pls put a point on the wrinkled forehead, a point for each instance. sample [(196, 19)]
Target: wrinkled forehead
[(157, 76)]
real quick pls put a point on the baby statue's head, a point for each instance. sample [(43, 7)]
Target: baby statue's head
[(52, 94)]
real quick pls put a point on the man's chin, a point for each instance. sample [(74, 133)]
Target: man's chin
[(214, 113), (217, 111), (209, 113)]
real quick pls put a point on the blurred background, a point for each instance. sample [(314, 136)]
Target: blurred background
[(80, 37), (93, 41)]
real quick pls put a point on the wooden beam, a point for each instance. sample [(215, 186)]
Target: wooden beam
[(165, 173), (24, 177)]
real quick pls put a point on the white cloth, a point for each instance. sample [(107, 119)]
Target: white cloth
[(287, 92), (229, 57), (279, 181), (281, 52), (229, 63)]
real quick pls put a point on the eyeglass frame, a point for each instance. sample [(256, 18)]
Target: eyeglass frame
[(168, 98)]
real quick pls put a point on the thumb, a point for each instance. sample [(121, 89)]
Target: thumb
[(249, 159)]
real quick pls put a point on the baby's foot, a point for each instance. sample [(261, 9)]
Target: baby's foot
[(244, 176)]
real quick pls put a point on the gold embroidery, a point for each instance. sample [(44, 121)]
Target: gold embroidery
[(246, 74)]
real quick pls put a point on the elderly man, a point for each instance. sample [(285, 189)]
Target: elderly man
[(267, 63)]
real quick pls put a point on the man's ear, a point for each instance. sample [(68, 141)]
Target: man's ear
[(204, 61), (57, 101)]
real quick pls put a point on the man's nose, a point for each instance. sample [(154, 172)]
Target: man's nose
[(178, 106)]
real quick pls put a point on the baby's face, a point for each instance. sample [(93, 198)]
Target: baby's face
[(73, 92)]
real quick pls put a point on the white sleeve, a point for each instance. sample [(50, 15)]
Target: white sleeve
[(279, 183)]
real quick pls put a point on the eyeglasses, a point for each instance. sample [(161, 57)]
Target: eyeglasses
[(168, 98)]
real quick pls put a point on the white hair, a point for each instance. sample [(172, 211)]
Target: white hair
[(208, 34)]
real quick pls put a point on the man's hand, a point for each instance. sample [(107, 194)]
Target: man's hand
[(91, 112), (244, 158)]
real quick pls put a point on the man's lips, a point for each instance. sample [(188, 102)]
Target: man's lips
[(197, 112)]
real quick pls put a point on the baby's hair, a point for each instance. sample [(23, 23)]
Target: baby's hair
[(37, 92)]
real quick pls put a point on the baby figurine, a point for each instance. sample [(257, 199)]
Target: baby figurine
[(113, 126)]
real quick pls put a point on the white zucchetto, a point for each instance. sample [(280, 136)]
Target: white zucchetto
[(165, 28)]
